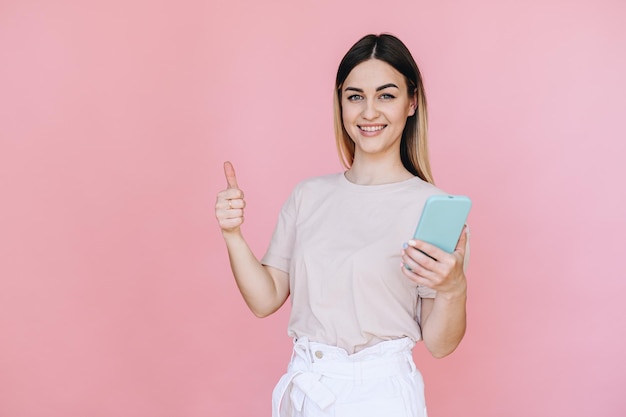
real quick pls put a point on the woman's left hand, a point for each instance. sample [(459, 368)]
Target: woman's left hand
[(439, 270)]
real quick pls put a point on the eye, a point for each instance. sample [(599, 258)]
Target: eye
[(387, 96), (355, 97)]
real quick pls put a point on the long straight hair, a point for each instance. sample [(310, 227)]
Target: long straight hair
[(414, 142)]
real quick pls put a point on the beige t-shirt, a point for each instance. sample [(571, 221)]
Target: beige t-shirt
[(341, 245)]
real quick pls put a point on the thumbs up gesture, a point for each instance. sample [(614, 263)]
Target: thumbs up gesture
[(230, 203)]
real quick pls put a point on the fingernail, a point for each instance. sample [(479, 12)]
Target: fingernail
[(405, 245), (412, 243)]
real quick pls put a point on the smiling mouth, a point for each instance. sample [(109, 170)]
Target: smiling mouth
[(372, 128)]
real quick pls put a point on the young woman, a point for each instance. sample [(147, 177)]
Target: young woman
[(360, 298)]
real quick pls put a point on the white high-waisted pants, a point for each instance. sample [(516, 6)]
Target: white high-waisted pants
[(325, 381)]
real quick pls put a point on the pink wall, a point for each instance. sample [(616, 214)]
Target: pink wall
[(115, 117)]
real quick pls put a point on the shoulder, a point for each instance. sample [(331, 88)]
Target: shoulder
[(311, 190), (423, 188), (318, 184)]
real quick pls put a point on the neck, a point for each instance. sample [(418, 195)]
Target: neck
[(377, 174)]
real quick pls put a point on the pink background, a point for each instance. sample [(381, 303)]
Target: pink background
[(116, 297)]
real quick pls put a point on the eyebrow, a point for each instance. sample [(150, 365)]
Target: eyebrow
[(382, 87)]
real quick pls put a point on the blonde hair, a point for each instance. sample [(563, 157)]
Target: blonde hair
[(414, 143)]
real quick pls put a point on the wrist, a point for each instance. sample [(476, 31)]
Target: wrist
[(454, 295), (231, 235)]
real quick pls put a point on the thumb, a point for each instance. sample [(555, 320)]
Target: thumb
[(461, 244), (229, 172)]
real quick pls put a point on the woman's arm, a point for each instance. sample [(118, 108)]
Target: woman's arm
[(263, 288), (443, 319), (443, 324)]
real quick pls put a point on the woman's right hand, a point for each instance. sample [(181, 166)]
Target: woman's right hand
[(230, 203)]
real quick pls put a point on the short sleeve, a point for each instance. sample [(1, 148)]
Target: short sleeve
[(280, 249), (425, 292)]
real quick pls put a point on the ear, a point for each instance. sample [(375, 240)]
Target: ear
[(413, 104)]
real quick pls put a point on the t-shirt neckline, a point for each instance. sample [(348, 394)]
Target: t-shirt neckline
[(392, 186)]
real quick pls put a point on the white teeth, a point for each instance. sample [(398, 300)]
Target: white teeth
[(371, 128)]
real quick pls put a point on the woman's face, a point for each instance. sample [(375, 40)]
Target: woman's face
[(375, 106)]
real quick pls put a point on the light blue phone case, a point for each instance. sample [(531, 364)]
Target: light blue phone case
[(442, 220)]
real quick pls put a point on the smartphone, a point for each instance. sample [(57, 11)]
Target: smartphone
[(442, 220)]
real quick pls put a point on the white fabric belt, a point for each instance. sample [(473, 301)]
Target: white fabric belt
[(312, 361)]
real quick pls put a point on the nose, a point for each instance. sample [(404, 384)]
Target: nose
[(370, 111)]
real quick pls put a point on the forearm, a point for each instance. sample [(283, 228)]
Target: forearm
[(445, 325), (260, 290)]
